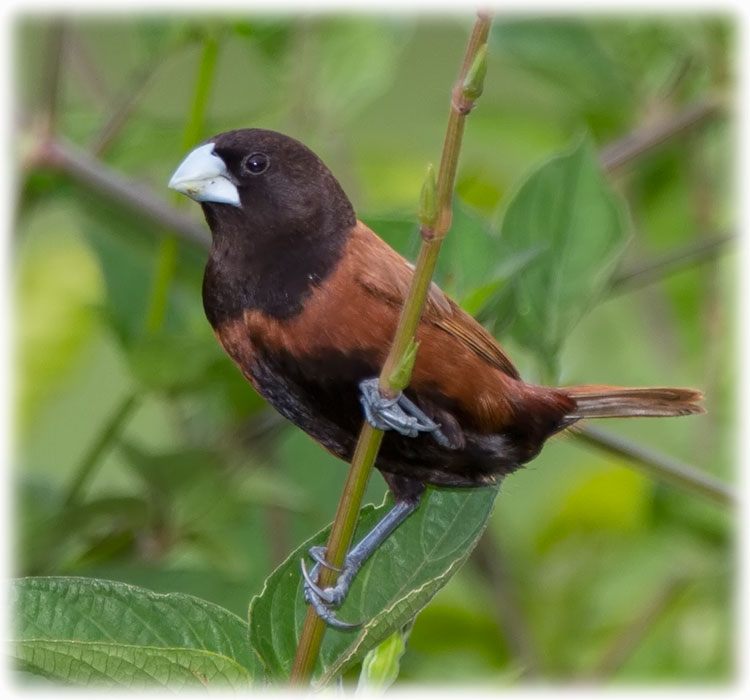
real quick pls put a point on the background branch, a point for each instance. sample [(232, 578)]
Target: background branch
[(658, 465), (51, 76), (125, 108), (131, 194), (655, 270), (489, 558), (627, 641), (648, 138)]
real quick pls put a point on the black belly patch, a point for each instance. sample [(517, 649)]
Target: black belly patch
[(321, 396)]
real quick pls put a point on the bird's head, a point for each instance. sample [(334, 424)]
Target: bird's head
[(264, 173)]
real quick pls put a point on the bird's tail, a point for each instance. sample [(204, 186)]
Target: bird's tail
[(598, 401)]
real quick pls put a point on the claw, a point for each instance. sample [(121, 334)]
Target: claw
[(317, 554), (312, 587), (399, 413), (329, 617), (322, 600)]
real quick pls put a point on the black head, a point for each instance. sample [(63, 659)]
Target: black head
[(270, 177), (279, 218)]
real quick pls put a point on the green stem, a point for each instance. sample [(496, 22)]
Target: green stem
[(466, 91), (166, 264), (167, 259), (633, 634), (103, 443), (339, 542), (51, 75)]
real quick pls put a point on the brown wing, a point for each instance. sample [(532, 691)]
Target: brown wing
[(387, 275)]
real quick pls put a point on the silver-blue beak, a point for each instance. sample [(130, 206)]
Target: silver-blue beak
[(204, 177)]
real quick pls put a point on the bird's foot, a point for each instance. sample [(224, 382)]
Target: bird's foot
[(324, 600), (399, 413)]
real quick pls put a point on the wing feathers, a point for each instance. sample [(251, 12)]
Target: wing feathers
[(387, 275)]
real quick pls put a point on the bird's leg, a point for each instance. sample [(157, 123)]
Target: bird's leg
[(399, 413), (325, 599)]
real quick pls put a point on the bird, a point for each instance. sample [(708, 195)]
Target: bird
[(305, 299)]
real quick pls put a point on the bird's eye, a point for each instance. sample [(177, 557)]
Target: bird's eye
[(256, 163)]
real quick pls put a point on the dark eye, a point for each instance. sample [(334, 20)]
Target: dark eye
[(256, 163)]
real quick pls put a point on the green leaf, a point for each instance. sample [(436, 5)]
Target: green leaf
[(392, 587), (119, 666), (355, 60), (567, 209), (566, 55), (469, 253), (481, 298), (87, 631)]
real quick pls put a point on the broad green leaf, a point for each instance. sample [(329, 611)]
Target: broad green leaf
[(469, 254), (397, 582), (82, 630), (482, 299), (119, 666), (567, 209)]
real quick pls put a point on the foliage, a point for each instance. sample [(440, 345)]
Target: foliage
[(145, 458)]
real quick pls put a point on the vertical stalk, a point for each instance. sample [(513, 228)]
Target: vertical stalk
[(104, 442), (167, 260), (397, 367), (165, 269)]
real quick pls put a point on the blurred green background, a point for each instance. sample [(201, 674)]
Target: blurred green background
[(142, 454)]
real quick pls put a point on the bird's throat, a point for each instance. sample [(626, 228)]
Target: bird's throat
[(246, 271)]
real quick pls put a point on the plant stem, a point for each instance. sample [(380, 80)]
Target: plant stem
[(167, 262), (691, 254), (124, 108), (131, 194), (467, 89), (51, 75), (648, 138), (625, 643), (491, 561), (660, 466), (104, 442)]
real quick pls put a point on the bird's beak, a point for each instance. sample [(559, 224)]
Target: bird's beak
[(204, 177)]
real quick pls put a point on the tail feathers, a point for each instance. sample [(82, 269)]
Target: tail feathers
[(596, 401)]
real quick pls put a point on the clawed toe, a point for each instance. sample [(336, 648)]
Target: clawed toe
[(324, 600), (318, 555), (398, 413)]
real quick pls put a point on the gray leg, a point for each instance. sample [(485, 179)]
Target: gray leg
[(399, 413), (323, 599)]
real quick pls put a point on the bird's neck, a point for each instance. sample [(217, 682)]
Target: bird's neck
[(271, 269)]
